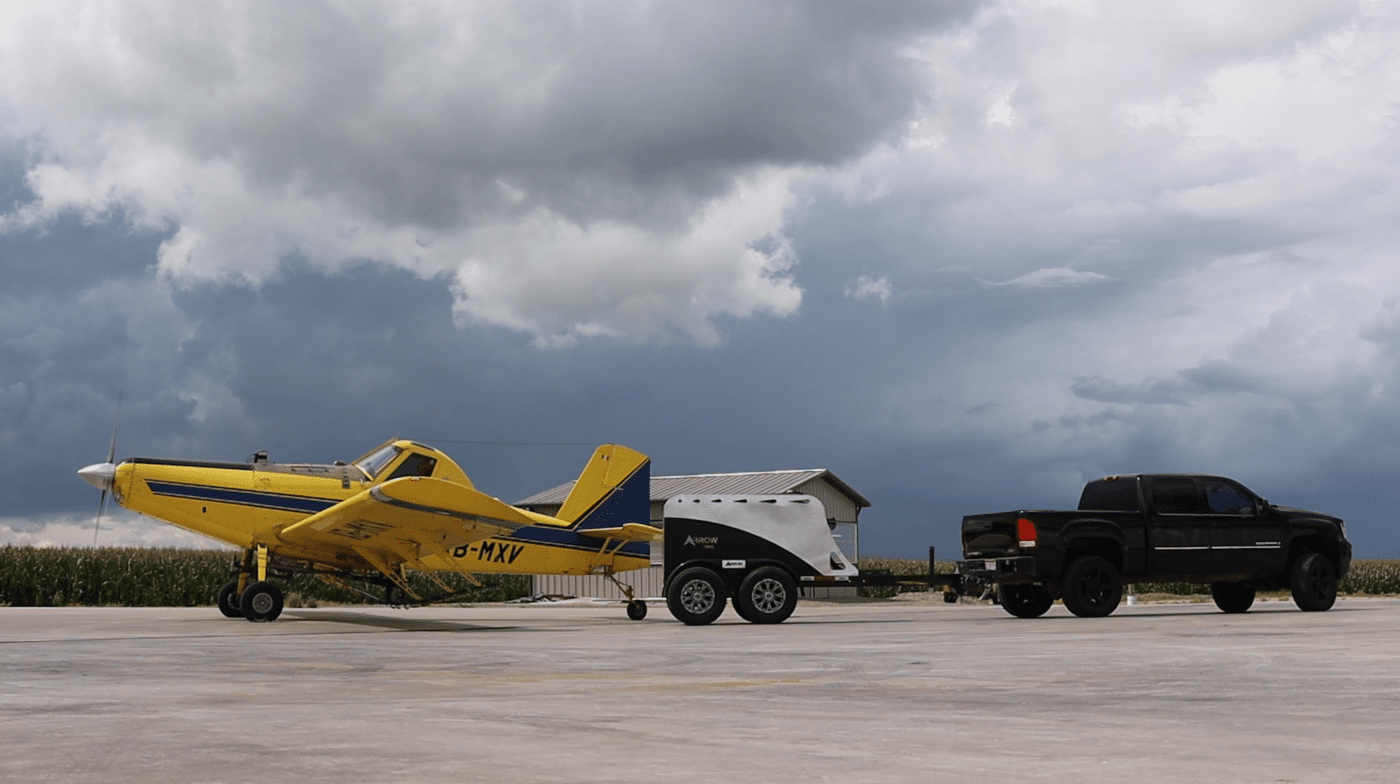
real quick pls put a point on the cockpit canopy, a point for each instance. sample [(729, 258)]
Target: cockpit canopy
[(397, 459)]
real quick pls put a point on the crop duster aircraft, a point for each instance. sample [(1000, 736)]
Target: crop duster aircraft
[(402, 507)]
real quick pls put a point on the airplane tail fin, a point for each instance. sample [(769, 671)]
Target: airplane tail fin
[(613, 490)]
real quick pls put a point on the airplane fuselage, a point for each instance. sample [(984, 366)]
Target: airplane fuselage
[(251, 504)]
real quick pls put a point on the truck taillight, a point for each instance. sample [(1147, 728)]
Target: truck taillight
[(1025, 531)]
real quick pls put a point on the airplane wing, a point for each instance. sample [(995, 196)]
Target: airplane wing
[(405, 520)]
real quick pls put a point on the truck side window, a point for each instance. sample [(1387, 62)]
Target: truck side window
[(1224, 498), (1119, 493), (1174, 495)]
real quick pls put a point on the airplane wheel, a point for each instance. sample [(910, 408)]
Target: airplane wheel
[(230, 604), (262, 601), (636, 610)]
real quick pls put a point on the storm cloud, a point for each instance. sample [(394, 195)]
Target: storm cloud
[(966, 255)]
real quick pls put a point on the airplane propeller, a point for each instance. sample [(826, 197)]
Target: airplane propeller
[(102, 475)]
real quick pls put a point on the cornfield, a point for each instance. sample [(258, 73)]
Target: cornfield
[(169, 577)]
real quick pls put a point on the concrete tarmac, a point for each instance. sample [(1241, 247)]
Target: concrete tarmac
[(872, 692)]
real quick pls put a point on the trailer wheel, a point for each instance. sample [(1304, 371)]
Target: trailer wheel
[(696, 596), (1025, 601), (1092, 587), (1314, 583), (767, 595), (1232, 597)]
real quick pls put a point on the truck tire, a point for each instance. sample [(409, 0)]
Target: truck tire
[(1314, 583), (1025, 601), (1232, 597), (1092, 587), (767, 595), (696, 596)]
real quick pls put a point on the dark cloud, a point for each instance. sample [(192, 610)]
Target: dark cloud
[(735, 238)]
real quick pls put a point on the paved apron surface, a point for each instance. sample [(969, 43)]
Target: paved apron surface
[(877, 692)]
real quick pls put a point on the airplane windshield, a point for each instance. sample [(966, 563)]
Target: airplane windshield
[(375, 461)]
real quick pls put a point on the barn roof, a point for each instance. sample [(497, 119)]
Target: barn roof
[(751, 482)]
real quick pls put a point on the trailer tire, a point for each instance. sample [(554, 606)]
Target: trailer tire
[(1025, 601), (1092, 587), (767, 595), (696, 596)]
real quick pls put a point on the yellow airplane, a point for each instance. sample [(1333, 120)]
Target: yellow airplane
[(402, 507)]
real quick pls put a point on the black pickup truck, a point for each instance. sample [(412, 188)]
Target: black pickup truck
[(1155, 528)]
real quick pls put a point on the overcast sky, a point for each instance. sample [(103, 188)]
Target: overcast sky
[(965, 255)]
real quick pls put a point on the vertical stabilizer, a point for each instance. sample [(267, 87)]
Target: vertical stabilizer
[(613, 490)]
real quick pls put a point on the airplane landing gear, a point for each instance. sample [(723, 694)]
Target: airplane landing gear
[(636, 609), (261, 601), (230, 601)]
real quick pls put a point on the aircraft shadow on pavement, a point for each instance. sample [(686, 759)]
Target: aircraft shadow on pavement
[(381, 622)]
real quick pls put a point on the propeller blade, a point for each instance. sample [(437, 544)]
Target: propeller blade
[(101, 505), (116, 420), (111, 460)]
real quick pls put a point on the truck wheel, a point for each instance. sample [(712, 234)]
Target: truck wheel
[(1092, 587), (696, 596), (767, 595), (1025, 601), (1314, 583), (1232, 597)]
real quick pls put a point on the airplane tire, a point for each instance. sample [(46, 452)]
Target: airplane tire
[(230, 603), (636, 609), (262, 601), (767, 595), (696, 596)]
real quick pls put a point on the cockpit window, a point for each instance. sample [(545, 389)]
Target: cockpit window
[(375, 461), (414, 465)]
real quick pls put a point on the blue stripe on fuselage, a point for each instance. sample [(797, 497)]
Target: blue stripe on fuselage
[(225, 495), (564, 537)]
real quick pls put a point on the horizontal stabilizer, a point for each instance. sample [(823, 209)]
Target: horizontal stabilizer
[(631, 532)]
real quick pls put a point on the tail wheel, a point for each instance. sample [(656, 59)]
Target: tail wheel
[(1025, 601), (230, 603), (1314, 583), (262, 601), (1232, 597), (1093, 587), (696, 596), (767, 595)]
